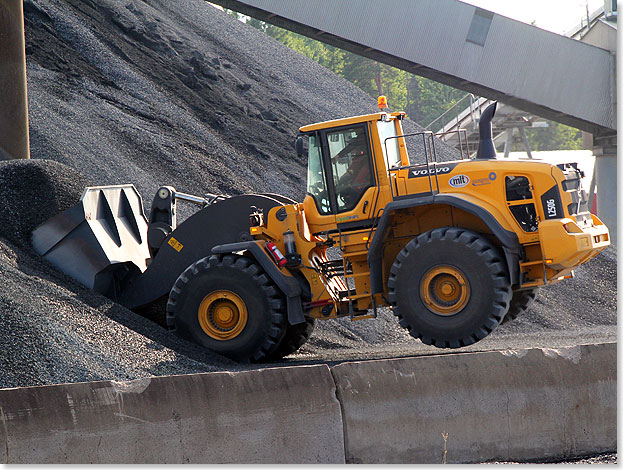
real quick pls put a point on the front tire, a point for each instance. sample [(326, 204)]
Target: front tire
[(449, 287), (229, 305)]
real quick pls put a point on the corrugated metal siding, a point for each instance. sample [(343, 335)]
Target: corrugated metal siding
[(517, 61)]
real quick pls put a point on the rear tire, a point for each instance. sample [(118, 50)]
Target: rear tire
[(521, 301), (229, 305), (449, 287), (295, 337)]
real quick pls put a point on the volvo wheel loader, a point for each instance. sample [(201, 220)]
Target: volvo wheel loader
[(453, 248)]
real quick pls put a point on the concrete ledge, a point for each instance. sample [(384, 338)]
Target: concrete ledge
[(279, 415), (499, 405), (511, 405)]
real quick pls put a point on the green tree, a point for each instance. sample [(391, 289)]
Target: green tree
[(554, 137), (362, 72), (432, 99), (232, 13), (327, 56), (261, 25)]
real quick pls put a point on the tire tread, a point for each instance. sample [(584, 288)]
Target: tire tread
[(274, 299), (497, 269)]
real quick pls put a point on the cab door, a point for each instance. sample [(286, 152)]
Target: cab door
[(351, 170)]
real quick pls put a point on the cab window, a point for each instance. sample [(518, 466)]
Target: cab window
[(387, 134), (517, 188), (316, 182), (520, 201), (350, 164)]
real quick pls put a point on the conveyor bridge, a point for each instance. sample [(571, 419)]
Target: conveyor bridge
[(466, 47)]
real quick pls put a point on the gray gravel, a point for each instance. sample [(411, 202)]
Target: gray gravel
[(608, 459), (157, 92), (54, 330), (174, 93)]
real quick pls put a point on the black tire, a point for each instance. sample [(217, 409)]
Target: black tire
[(520, 302), (472, 273), (295, 337), (256, 298)]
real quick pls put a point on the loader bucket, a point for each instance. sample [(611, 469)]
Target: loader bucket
[(101, 241)]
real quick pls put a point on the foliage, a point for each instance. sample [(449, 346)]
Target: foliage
[(555, 137), (429, 99), (327, 56)]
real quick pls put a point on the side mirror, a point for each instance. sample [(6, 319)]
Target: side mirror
[(298, 145)]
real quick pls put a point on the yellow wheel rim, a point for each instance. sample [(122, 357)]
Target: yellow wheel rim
[(445, 290), (222, 315)]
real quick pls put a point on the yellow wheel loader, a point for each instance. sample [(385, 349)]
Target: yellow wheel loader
[(453, 248)]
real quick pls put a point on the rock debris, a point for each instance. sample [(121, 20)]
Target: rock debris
[(157, 92)]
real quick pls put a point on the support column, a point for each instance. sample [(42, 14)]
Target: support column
[(606, 178), (524, 139), (509, 142), (605, 150), (14, 141)]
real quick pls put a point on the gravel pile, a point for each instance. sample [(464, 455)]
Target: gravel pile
[(174, 93), (157, 92), (55, 330), (607, 459), (31, 191)]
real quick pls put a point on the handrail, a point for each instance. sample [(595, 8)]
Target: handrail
[(468, 95), (430, 155), (426, 136)]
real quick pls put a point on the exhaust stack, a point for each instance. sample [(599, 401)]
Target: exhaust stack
[(486, 149)]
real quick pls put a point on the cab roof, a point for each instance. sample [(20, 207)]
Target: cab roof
[(349, 120)]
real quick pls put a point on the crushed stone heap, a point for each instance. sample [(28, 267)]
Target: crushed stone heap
[(179, 93)]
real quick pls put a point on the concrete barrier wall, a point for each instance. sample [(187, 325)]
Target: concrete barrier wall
[(279, 415), (512, 405)]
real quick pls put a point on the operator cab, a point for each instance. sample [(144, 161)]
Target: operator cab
[(343, 171)]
